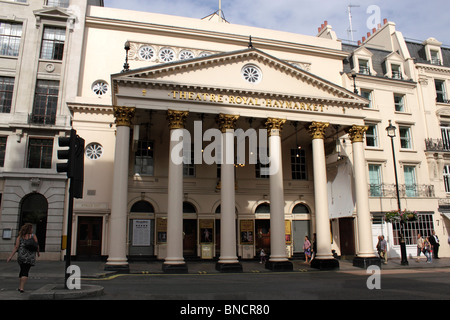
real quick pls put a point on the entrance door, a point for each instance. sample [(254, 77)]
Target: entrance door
[(347, 236), (262, 240), (89, 239), (189, 237), (301, 229)]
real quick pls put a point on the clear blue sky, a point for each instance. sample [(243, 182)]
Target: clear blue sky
[(416, 19)]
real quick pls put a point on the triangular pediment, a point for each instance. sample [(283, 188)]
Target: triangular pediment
[(229, 72), (52, 13)]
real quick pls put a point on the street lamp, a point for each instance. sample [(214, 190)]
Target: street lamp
[(353, 74), (126, 66), (391, 134)]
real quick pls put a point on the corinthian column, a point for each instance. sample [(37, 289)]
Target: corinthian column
[(117, 257), (323, 259), (278, 259), (228, 261), (365, 254), (174, 262)]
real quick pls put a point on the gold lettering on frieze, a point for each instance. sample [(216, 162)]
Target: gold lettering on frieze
[(245, 101)]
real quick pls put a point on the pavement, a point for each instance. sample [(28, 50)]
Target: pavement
[(96, 269)]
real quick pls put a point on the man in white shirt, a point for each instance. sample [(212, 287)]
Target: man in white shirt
[(420, 246)]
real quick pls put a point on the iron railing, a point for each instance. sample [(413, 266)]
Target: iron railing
[(405, 190)]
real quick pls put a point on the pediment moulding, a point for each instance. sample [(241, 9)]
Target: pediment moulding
[(145, 75)]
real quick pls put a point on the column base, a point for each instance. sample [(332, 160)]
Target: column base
[(325, 264), (228, 267), (119, 268), (365, 262), (175, 268), (279, 265)]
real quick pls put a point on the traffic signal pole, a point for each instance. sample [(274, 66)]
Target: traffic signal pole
[(69, 233), (74, 167)]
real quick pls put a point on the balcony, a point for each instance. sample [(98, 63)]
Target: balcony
[(41, 119), (406, 191), (437, 145)]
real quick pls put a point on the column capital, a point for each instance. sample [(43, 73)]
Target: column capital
[(273, 124), (176, 118), (226, 121), (356, 133), (317, 129), (124, 115)]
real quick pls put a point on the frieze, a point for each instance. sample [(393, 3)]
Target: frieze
[(245, 100)]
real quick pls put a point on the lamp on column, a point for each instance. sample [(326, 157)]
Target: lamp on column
[(353, 74), (391, 134), (126, 66)]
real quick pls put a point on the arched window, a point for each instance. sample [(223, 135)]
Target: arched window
[(263, 208), (300, 208), (188, 208), (34, 209), (142, 206)]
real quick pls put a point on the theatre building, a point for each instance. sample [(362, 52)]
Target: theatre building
[(210, 140), (211, 80)]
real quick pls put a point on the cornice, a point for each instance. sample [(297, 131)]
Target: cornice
[(433, 67), (81, 107), (386, 80), (216, 35)]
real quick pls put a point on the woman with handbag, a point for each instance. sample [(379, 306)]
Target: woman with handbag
[(26, 248)]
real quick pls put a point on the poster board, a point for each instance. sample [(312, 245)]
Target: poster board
[(206, 231), (141, 232), (246, 230), (161, 230)]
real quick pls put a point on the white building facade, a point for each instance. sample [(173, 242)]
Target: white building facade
[(40, 52), (319, 106)]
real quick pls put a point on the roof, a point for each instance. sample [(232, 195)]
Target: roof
[(417, 51)]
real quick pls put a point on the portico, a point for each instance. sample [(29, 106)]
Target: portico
[(277, 96)]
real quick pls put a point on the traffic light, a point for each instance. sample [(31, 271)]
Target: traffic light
[(74, 167), (67, 154)]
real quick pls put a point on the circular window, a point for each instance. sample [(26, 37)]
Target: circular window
[(204, 54), (166, 54), (146, 53), (186, 54), (251, 73), (100, 87), (94, 151)]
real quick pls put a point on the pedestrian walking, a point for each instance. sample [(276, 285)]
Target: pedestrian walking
[(420, 246), (262, 256), (307, 249), (26, 247), (434, 240), (427, 249), (379, 246), (383, 250)]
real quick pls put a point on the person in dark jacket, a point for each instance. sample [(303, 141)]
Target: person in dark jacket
[(434, 240)]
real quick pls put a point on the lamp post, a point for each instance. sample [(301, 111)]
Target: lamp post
[(391, 134), (126, 66), (353, 74)]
